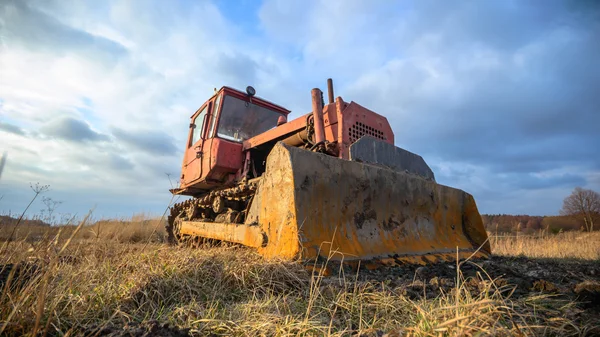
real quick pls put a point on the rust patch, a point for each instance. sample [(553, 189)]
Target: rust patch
[(306, 183), (353, 195), (367, 203), (392, 223), (361, 217)]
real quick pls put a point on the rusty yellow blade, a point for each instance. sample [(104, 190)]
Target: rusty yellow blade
[(309, 205)]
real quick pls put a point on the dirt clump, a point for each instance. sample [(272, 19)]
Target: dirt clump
[(589, 292)]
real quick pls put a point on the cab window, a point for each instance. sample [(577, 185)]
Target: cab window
[(241, 120), (213, 118), (197, 126)]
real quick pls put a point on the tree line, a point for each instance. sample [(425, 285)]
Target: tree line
[(580, 211)]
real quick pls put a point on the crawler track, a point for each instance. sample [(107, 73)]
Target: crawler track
[(225, 205)]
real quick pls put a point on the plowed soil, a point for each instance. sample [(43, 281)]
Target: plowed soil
[(576, 280)]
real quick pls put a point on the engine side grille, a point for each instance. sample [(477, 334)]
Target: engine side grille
[(360, 129)]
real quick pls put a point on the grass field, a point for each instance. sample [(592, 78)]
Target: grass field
[(118, 278)]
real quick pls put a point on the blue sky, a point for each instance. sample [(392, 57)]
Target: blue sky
[(499, 97)]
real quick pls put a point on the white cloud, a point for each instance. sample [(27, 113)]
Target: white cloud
[(476, 88)]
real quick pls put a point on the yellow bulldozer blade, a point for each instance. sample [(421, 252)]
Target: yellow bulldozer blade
[(310, 205)]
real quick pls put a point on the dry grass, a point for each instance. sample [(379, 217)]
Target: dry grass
[(233, 292), (113, 273), (137, 228), (572, 245)]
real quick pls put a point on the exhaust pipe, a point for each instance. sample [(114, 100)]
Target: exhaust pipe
[(330, 90), (317, 107)]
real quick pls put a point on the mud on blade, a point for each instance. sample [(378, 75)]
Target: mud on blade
[(309, 205)]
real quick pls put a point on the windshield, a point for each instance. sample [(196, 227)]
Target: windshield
[(241, 120)]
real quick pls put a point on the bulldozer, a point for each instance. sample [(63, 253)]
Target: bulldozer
[(329, 184)]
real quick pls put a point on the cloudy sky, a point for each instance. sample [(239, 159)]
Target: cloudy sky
[(501, 98)]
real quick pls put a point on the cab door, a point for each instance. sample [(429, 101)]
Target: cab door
[(194, 153)]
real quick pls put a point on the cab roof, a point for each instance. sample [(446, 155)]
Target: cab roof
[(261, 101), (242, 95)]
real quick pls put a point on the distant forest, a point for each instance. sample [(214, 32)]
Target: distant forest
[(527, 224)]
